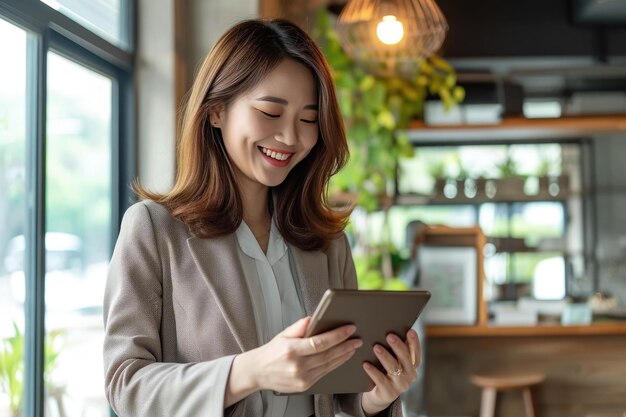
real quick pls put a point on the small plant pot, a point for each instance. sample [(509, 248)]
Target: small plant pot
[(510, 188)]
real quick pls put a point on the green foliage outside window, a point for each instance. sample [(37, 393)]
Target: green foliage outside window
[(12, 366)]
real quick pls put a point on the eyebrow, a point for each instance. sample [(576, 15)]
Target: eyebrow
[(282, 101)]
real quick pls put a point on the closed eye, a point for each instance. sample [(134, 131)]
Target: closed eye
[(273, 116), (309, 121)]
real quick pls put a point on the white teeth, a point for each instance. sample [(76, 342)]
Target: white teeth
[(275, 155)]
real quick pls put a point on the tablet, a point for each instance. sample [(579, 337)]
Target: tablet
[(375, 314)]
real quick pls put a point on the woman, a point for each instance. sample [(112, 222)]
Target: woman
[(209, 283)]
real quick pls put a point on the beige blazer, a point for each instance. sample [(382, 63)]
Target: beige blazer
[(174, 303)]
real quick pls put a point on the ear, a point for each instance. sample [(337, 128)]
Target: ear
[(216, 118)]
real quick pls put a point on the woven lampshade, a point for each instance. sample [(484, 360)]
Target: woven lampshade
[(418, 30)]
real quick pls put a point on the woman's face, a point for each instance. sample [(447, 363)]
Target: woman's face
[(273, 126)]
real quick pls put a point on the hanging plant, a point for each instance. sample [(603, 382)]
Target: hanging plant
[(377, 111), (377, 107)]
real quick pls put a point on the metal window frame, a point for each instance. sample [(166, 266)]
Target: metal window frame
[(50, 30)]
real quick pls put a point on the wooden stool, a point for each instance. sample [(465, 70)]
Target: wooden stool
[(492, 383)]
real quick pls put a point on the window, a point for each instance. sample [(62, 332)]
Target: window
[(65, 162), (78, 224), (527, 199), (13, 185), (106, 18)]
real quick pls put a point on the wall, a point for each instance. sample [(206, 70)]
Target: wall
[(173, 36), (154, 84), (610, 217), (204, 22)]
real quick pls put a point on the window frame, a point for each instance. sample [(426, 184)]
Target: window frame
[(50, 30)]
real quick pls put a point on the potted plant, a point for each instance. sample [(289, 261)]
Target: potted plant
[(510, 184)]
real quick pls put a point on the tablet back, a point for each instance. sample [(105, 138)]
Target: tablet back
[(375, 314)]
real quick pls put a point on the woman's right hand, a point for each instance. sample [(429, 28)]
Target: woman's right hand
[(291, 363)]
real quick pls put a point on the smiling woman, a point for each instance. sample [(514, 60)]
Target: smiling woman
[(262, 132), (273, 81), (210, 284)]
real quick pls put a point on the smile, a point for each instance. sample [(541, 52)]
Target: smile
[(278, 156)]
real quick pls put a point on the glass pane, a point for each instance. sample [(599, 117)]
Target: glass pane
[(78, 224), (103, 17), (544, 272), (420, 173), (12, 216), (494, 219), (539, 224), (538, 160), (400, 218)]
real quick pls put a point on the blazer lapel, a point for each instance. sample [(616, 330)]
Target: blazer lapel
[(313, 276), (218, 262)]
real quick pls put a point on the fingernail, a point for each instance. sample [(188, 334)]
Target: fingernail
[(357, 343), (350, 329), (378, 349), (367, 365), (392, 339)]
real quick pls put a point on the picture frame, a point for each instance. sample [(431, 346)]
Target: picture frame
[(451, 275)]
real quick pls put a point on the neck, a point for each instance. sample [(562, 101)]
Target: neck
[(256, 213), (254, 198)]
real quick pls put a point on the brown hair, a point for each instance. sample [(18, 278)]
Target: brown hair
[(205, 195)]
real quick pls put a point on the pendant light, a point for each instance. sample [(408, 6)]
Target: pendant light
[(391, 33)]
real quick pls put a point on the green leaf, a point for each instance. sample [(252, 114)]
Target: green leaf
[(385, 118), (421, 80), (359, 133), (440, 63), (376, 97), (458, 93), (367, 82), (346, 80)]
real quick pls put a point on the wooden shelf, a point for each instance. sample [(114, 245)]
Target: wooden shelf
[(519, 129), (595, 329)]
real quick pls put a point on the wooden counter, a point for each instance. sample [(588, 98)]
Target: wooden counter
[(585, 368)]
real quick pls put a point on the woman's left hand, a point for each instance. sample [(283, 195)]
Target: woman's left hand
[(400, 370)]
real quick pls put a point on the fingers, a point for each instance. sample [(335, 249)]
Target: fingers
[(297, 329), (328, 366), (324, 341), (319, 361), (387, 360), (402, 351), (379, 379), (415, 348)]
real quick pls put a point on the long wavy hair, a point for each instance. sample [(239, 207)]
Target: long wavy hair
[(205, 195)]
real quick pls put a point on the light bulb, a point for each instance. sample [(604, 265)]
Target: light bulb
[(390, 31)]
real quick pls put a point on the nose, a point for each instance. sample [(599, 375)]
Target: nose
[(288, 134)]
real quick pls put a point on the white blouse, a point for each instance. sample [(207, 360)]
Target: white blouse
[(277, 303)]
